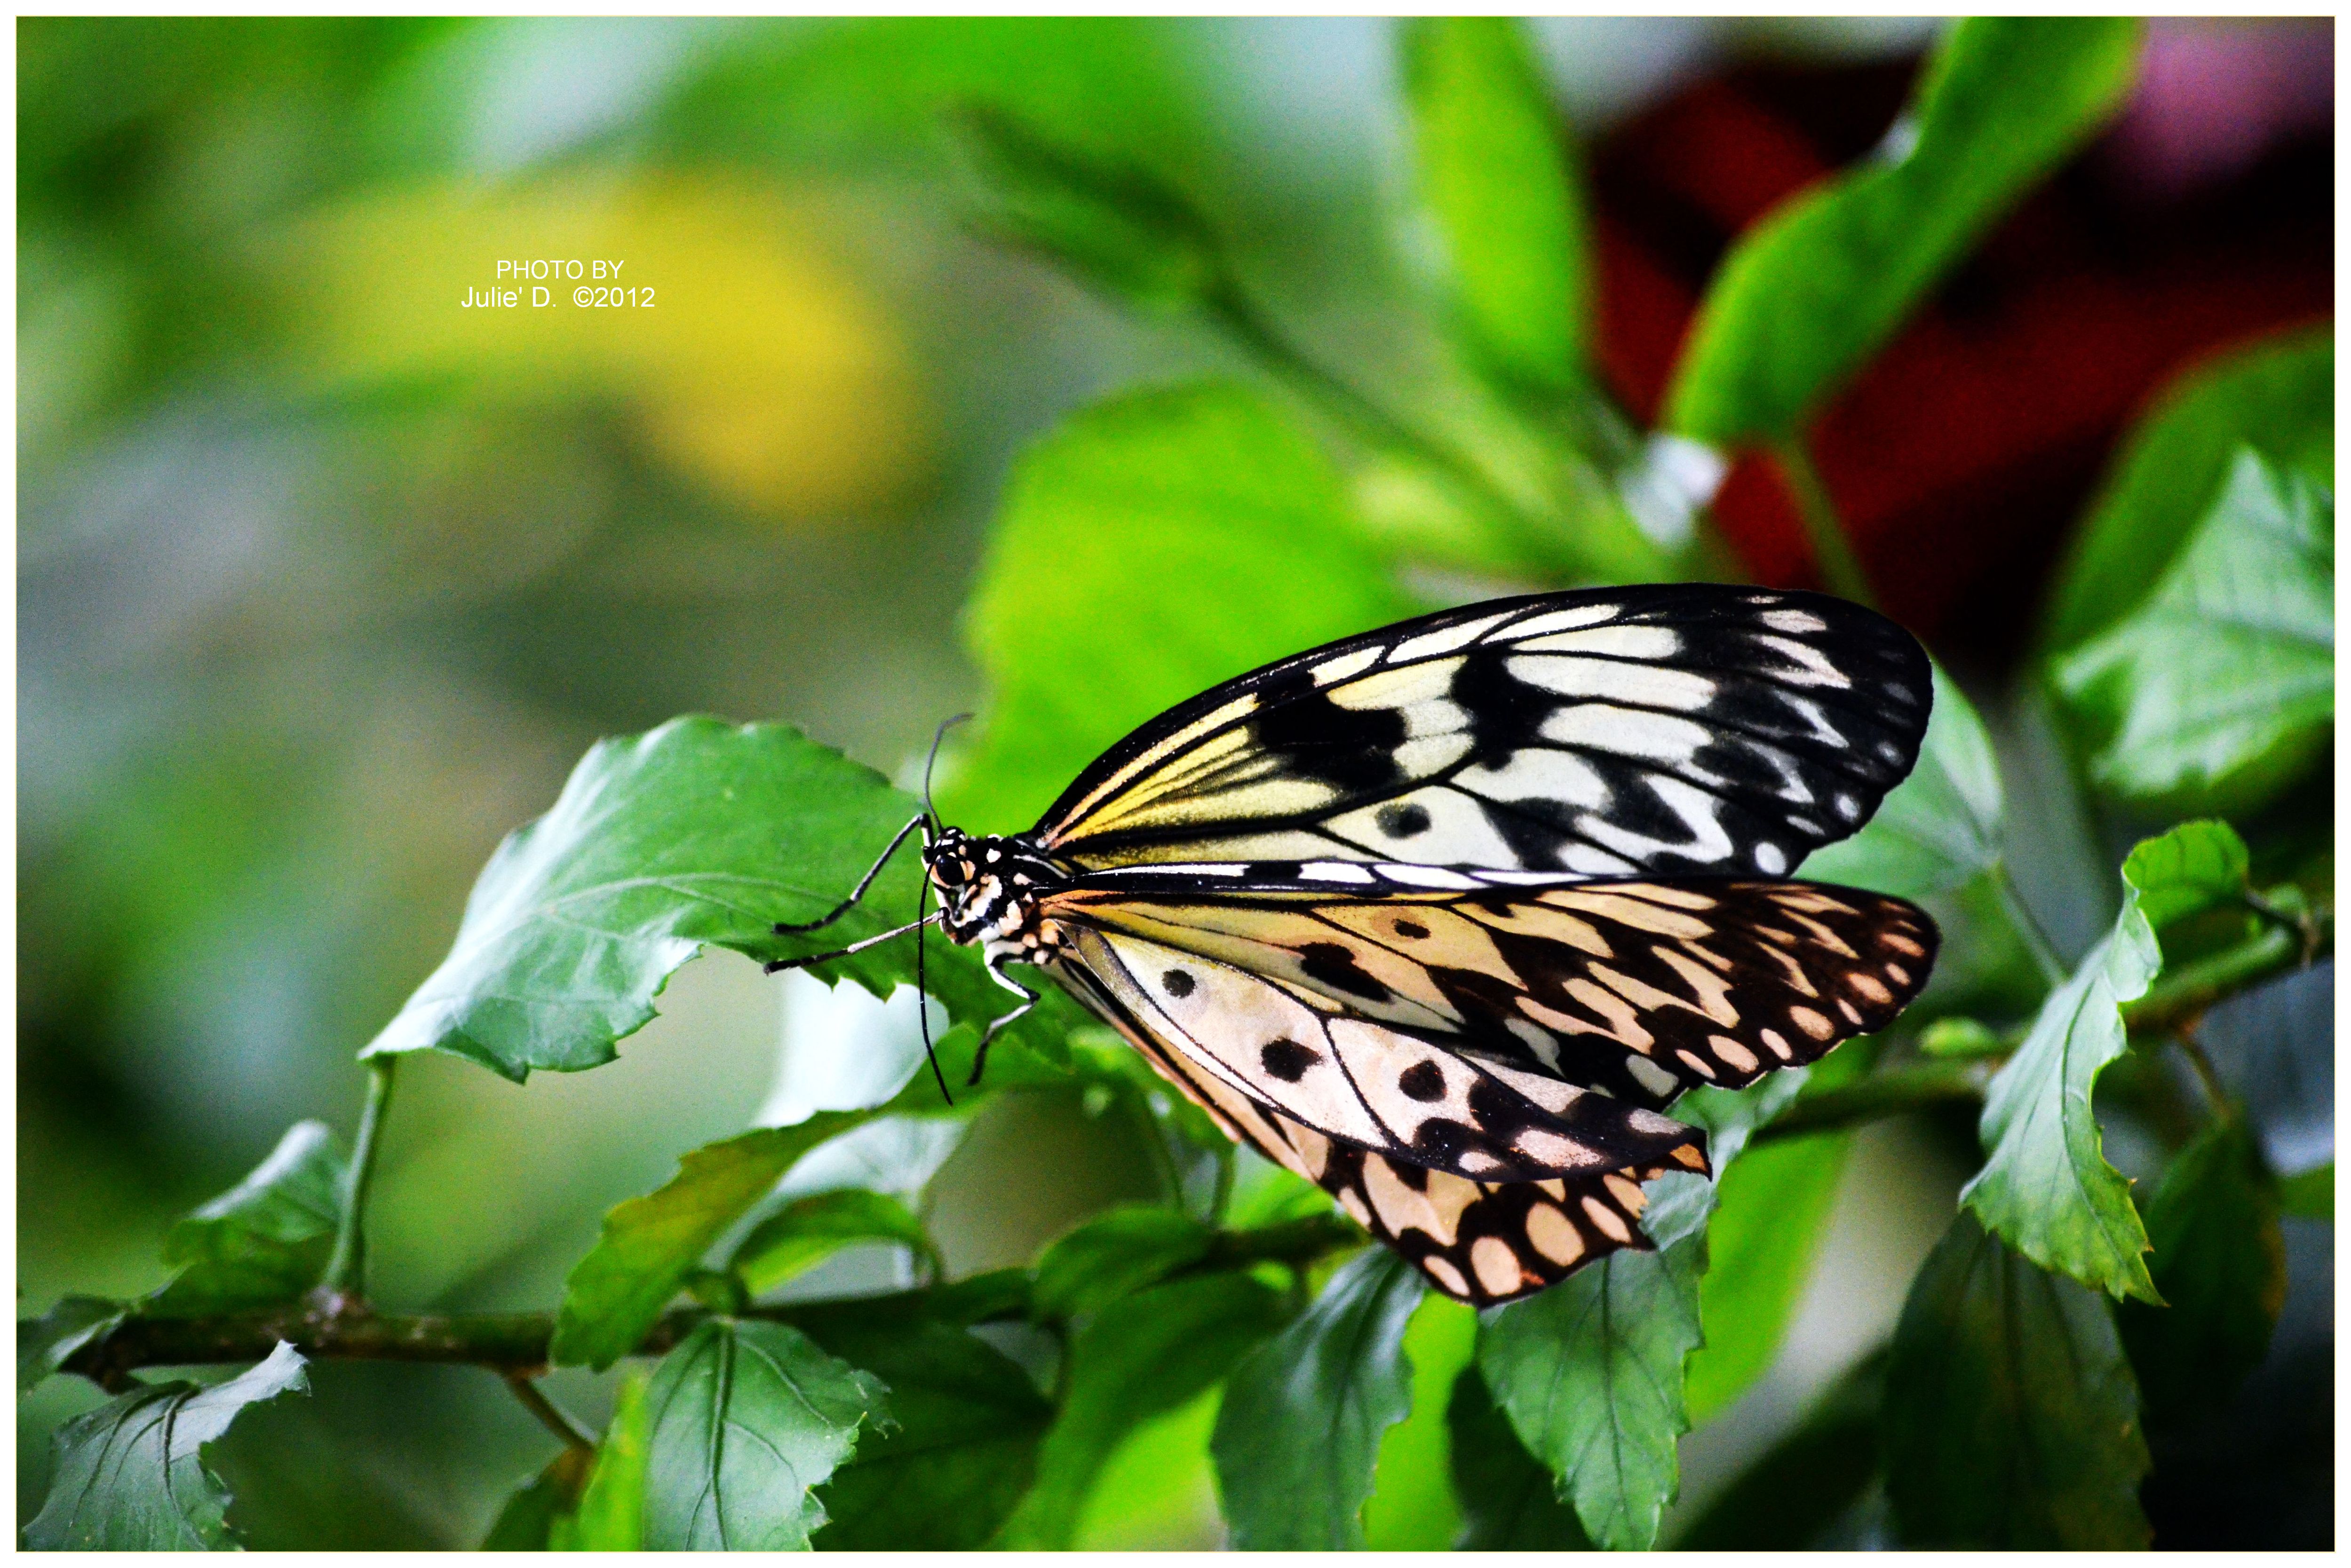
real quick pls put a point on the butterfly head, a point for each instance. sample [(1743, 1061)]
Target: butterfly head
[(988, 889)]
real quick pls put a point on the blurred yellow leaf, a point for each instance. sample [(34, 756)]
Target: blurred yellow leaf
[(754, 362)]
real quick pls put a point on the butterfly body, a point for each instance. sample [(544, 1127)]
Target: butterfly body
[(1443, 916)]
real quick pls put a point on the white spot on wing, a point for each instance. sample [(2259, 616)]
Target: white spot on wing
[(1618, 642), (1345, 664), (1538, 773), (1770, 860), (1561, 621), (1645, 684), (1812, 666), (1628, 732), (1424, 876), (1430, 644), (1793, 621), (1333, 871)]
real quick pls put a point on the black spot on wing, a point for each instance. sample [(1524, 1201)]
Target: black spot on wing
[(1402, 821), (1333, 964), (1287, 1060), (1422, 1081)]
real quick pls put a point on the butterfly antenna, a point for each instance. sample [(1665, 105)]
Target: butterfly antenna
[(945, 724), (922, 996)]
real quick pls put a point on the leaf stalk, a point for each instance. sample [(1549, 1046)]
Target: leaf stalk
[(344, 1283), (1831, 550)]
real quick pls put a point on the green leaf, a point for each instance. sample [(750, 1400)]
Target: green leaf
[(1299, 1430), (1508, 1503), (1589, 1370), (1413, 1506), (1941, 826), (1730, 1116), (131, 1475), (1148, 549), (961, 1453), (46, 1342), (2046, 1187), (804, 1233), (611, 1512), (746, 1418), (530, 1520), (2277, 397), (1115, 1254), (2219, 1261), (694, 833), (1809, 294), (1499, 190), (2194, 867), (650, 1244), (1138, 1358), (2010, 1417), (1121, 228), (264, 1241), (2218, 690), (1789, 1499), (2309, 1195), (1772, 1208)]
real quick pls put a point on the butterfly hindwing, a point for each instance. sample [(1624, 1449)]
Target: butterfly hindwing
[(1480, 1242), (1677, 728), (1356, 1079), (1637, 989)]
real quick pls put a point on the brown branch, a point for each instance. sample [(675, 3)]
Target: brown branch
[(515, 1344)]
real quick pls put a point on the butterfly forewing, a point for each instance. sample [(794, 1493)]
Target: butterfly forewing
[(1608, 732)]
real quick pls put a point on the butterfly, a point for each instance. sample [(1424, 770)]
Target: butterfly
[(1443, 917)]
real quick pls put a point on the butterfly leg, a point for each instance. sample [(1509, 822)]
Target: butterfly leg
[(846, 904), (1028, 1000)]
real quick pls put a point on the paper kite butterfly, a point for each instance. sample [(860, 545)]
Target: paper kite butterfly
[(1442, 915)]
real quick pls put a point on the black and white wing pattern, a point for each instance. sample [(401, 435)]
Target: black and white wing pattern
[(1480, 1242), (1673, 730), (1443, 917)]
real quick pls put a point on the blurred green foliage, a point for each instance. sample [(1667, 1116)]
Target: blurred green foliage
[(324, 584)]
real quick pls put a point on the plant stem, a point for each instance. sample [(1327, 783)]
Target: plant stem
[(1538, 541), (2179, 999), (345, 1281), (2169, 1009), (2207, 1076), (1832, 552), (551, 1416), (1889, 1093), (2036, 940), (515, 1344)]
